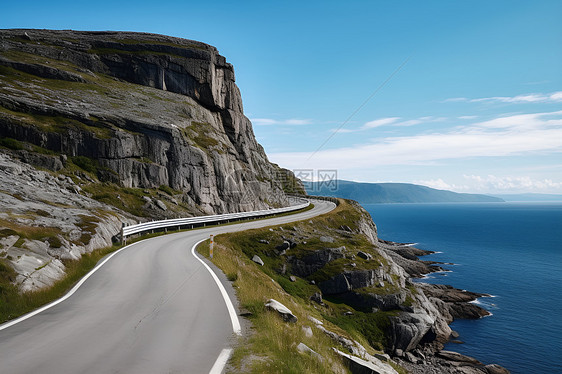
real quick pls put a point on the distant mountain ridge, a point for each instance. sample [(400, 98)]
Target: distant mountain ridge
[(380, 193)]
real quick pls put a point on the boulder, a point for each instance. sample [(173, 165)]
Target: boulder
[(408, 329), (317, 322), (364, 255), (410, 357), (327, 239), (285, 312), (307, 331), (283, 246), (457, 357), (360, 366), (317, 297), (160, 204), (496, 369), (303, 348), (257, 259)]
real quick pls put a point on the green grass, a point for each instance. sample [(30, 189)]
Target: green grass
[(85, 163), (169, 190), (198, 133), (50, 234), (370, 326), (127, 199), (88, 225), (10, 143), (270, 347), (14, 304)]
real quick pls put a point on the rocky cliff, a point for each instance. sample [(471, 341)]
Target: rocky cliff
[(113, 127), (148, 110)]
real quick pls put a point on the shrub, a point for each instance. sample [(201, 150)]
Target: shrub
[(85, 163), (11, 144)]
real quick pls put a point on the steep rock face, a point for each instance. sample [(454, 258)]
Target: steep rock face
[(151, 110)]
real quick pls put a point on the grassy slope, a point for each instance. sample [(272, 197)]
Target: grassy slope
[(272, 345)]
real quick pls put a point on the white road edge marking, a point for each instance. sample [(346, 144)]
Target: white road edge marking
[(70, 293), (221, 361), (231, 311)]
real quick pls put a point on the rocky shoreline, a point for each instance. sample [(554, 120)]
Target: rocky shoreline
[(452, 303)]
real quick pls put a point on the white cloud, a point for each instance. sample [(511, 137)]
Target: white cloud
[(495, 184), (557, 96), (455, 100), (504, 136), (513, 184), (467, 117), (289, 122), (554, 97), (440, 184), (380, 122), (411, 122), (396, 121), (523, 121)]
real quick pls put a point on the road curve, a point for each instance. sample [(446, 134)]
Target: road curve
[(153, 308)]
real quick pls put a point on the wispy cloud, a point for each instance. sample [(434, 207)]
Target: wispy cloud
[(510, 183), (495, 184), (288, 122), (379, 122), (553, 97), (398, 122), (503, 136), (440, 184), (455, 100)]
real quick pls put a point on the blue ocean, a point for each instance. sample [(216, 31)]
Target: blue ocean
[(512, 251)]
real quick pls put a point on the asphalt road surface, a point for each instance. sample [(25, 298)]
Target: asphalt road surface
[(152, 308)]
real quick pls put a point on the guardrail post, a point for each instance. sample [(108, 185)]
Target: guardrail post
[(123, 238)]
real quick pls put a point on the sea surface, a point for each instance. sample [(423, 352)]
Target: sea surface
[(512, 251)]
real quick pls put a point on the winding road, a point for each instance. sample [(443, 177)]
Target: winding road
[(153, 307)]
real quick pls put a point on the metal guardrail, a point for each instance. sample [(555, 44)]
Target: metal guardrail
[(192, 222), (332, 199)]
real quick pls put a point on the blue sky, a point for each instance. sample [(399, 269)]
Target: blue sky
[(473, 103)]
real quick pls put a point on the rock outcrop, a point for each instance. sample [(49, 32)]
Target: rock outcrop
[(44, 221)]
